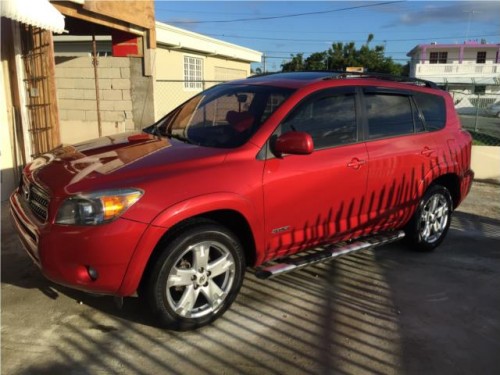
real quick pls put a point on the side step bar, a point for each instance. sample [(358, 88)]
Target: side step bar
[(328, 253)]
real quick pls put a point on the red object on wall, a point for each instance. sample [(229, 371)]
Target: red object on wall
[(125, 44)]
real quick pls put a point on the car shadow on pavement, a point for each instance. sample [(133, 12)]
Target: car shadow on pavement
[(448, 299), (23, 273), (17, 268), (379, 312)]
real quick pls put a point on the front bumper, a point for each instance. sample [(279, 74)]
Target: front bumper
[(64, 253)]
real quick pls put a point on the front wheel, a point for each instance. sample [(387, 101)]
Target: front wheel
[(197, 277), (430, 223)]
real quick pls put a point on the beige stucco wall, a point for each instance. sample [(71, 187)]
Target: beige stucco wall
[(486, 162), (7, 176), (169, 90)]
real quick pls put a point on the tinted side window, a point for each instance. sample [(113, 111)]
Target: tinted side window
[(388, 115), (433, 108), (330, 120)]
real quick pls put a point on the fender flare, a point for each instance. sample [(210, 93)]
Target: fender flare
[(434, 174), (177, 213)]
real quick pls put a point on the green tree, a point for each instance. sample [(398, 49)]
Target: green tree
[(342, 55), (369, 39), (257, 71), (316, 61), (295, 64)]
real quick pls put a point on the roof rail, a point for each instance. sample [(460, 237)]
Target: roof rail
[(258, 75), (387, 77), (335, 74)]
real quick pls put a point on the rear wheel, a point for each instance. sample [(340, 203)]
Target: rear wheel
[(431, 221), (197, 277)]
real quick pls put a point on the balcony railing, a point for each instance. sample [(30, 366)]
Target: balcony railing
[(463, 70)]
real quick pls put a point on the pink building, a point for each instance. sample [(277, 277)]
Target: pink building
[(469, 64)]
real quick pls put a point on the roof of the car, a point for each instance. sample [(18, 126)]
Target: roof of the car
[(288, 79), (300, 79)]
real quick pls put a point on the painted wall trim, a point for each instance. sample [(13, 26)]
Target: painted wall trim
[(174, 37)]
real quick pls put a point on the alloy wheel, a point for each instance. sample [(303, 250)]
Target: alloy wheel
[(200, 280), (434, 218)]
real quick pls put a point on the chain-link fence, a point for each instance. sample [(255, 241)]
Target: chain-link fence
[(479, 113), (171, 93)]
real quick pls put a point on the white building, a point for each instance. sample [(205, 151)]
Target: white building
[(187, 62), (471, 66)]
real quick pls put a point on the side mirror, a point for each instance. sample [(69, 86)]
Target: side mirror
[(294, 143)]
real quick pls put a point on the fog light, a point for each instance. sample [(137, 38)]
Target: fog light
[(92, 273)]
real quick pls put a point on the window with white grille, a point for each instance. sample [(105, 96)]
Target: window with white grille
[(193, 73), (481, 58), (438, 57)]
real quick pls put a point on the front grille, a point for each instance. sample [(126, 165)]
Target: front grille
[(37, 198), (39, 202)]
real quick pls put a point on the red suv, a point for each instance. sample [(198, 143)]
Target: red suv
[(243, 174)]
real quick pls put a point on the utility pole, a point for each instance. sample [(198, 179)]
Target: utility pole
[(264, 62)]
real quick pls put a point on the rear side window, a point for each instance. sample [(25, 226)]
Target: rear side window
[(388, 115), (433, 108)]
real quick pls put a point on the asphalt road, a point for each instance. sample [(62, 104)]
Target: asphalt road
[(388, 311)]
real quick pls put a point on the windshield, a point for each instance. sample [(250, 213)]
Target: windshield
[(223, 116)]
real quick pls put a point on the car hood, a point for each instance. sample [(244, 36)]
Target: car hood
[(116, 161)]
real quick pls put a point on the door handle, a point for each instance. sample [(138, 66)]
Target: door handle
[(355, 163), (427, 151)]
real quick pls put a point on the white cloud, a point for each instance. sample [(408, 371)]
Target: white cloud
[(456, 11)]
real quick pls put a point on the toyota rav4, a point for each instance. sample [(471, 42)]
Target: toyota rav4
[(250, 173)]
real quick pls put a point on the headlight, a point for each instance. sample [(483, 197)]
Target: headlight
[(96, 208)]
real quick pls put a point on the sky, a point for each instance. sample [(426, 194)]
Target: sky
[(281, 28)]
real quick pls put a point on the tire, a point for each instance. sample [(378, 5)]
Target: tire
[(196, 278), (430, 223)]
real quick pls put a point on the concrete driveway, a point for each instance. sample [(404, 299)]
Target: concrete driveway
[(377, 312)]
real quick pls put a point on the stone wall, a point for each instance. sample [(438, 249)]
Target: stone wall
[(76, 92)]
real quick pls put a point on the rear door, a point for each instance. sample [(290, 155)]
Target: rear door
[(401, 153), (317, 197)]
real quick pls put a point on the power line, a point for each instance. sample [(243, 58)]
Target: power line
[(288, 15), (290, 57), (184, 11), (310, 52), (302, 32), (330, 41), (473, 59)]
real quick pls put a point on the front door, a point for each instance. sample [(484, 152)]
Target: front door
[(311, 199)]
